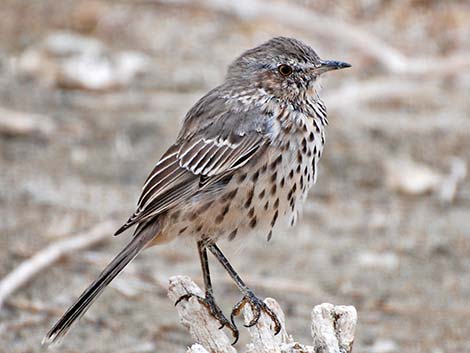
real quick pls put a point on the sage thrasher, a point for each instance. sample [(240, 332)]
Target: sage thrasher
[(244, 160)]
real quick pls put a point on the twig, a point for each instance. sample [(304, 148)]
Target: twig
[(52, 253), (357, 93), (22, 323), (311, 22), (332, 326), (279, 284), (131, 283), (35, 307)]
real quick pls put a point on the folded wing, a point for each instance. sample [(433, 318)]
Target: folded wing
[(188, 168)]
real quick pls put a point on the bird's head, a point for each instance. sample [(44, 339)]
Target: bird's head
[(284, 67)]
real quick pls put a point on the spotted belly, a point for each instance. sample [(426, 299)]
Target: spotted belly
[(257, 199)]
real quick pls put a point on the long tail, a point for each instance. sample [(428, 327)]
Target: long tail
[(81, 305)]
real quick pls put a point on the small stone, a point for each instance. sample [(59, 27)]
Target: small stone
[(384, 346), (15, 123), (73, 61), (411, 178), (66, 44), (387, 261)]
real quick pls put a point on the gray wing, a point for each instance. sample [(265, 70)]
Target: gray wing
[(199, 159)]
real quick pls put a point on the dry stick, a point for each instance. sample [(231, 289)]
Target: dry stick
[(22, 323), (351, 95), (356, 93), (262, 335), (202, 326), (332, 326), (280, 284), (35, 307), (307, 20), (52, 253)]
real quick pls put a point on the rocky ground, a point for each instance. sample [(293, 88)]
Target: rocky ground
[(386, 228)]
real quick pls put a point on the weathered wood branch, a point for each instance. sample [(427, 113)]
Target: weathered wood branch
[(49, 255), (332, 326), (301, 17)]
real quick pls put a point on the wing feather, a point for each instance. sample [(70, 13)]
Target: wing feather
[(211, 145), (175, 179)]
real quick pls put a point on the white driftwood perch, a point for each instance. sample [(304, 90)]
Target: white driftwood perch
[(332, 326)]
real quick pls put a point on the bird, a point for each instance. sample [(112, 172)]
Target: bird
[(242, 164)]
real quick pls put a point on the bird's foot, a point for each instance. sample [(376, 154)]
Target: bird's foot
[(257, 305), (209, 302)]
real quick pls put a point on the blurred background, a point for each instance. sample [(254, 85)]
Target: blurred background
[(92, 92)]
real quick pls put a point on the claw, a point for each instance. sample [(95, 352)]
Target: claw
[(256, 315), (257, 305), (236, 336), (185, 297), (215, 311)]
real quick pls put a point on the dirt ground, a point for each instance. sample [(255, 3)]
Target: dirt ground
[(378, 231)]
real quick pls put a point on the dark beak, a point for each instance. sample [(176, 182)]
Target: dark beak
[(329, 65)]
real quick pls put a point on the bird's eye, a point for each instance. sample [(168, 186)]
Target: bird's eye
[(284, 70)]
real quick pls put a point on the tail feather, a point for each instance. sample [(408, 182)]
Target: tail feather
[(82, 304)]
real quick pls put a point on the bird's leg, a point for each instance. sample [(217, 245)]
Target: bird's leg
[(208, 301), (257, 305)]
